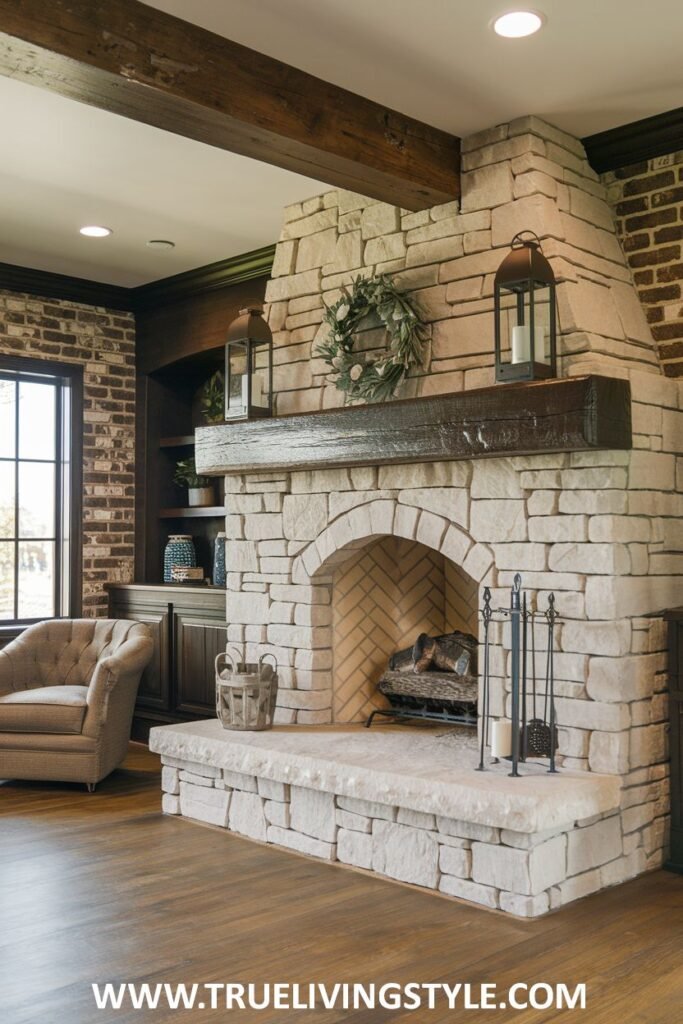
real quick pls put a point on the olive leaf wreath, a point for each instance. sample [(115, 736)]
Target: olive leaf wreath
[(372, 378)]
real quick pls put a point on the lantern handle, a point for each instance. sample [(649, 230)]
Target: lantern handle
[(519, 241)]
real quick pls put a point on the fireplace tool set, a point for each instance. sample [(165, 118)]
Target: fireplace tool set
[(521, 737)]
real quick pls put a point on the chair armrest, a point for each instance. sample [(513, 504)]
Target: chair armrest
[(121, 670), (16, 665)]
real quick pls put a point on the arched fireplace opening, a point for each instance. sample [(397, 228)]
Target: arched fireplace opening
[(383, 597)]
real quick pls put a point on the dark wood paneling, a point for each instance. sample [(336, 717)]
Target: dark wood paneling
[(640, 140), (197, 645), (182, 327), (179, 681), (140, 62), (573, 414), (211, 278), (154, 691)]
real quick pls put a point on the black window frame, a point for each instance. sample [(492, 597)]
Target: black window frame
[(63, 375)]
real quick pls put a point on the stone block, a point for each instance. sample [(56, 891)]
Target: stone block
[(608, 639), (450, 502), (622, 679), (454, 860), (472, 891), (486, 187), (495, 478), (285, 259), (315, 250), (648, 745), (534, 213), (558, 529), (525, 906), (301, 843), (304, 516), (369, 808), (468, 830), (263, 526), (247, 816), (276, 813), (238, 780), (247, 608), (202, 804), (385, 247), (272, 790), (499, 520), (208, 770), (654, 471), (281, 288), (521, 557), (417, 819), (619, 529), (356, 822), (594, 845), (380, 219), (313, 813), (527, 872), (434, 252), (405, 853), (170, 803), (609, 752), (354, 848), (196, 780), (595, 559), (241, 556), (170, 780)]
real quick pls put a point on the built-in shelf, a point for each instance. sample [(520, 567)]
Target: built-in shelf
[(183, 441), (203, 512)]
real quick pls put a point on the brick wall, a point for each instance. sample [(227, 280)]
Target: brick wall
[(102, 341), (648, 201)]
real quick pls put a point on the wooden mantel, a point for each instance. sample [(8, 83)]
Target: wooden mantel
[(568, 415)]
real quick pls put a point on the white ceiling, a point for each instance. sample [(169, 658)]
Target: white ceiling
[(596, 64), (64, 165)]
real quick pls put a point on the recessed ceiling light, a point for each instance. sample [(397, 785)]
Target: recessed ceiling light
[(516, 24), (160, 243), (95, 231)]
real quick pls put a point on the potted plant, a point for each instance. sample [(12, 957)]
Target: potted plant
[(199, 488), (213, 398)]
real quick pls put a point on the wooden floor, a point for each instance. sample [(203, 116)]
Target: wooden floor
[(103, 888)]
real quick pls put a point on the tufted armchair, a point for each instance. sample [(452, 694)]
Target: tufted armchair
[(67, 692)]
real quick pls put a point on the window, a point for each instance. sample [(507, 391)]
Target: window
[(40, 483)]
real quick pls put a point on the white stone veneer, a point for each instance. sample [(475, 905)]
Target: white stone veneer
[(600, 529), (406, 804)]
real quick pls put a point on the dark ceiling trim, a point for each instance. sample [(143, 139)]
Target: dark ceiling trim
[(223, 274), (47, 285), (631, 143), (245, 267)]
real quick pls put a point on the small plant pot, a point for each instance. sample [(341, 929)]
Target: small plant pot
[(200, 496)]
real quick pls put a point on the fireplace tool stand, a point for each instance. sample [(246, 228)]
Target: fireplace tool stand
[(529, 738)]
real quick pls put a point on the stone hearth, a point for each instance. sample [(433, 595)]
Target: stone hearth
[(600, 528), (405, 803)]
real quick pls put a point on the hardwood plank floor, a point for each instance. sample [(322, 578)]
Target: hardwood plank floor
[(103, 888)]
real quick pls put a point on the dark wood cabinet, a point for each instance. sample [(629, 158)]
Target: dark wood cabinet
[(188, 625), (675, 620)]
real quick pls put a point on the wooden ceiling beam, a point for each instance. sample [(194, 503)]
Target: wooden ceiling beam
[(133, 60)]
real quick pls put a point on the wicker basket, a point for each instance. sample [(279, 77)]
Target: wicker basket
[(245, 693)]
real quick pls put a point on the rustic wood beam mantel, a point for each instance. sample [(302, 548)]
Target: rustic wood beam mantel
[(142, 63), (568, 415)]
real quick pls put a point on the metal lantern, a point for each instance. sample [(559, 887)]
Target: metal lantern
[(249, 367), (524, 304)]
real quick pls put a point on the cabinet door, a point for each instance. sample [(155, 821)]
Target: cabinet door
[(154, 690), (196, 645)]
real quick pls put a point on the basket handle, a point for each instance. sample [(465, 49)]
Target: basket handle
[(263, 657), (228, 657)]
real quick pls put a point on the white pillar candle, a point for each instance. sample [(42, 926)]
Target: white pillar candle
[(521, 343), (501, 738), (256, 391)]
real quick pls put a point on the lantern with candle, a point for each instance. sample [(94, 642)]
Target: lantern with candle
[(525, 317), (249, 367)]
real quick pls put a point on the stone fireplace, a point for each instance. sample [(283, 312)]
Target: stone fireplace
[(329, 566)]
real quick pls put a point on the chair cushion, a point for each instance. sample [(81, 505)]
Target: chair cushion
[(54, 709)]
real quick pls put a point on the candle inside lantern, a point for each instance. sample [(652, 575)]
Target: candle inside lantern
[(256, 391), (521, 344), (501, 738)]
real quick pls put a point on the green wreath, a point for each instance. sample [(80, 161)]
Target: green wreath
[(372, 378)]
